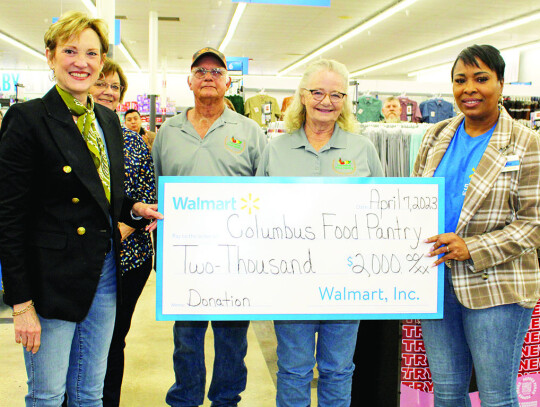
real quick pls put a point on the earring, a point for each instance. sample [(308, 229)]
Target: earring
[(501, 102), (456, 109), (52, 76)]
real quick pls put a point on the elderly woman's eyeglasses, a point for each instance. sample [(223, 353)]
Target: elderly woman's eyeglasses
[(114, 87), (200, 73), (319, 95)]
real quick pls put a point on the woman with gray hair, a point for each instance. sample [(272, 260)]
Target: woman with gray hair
[(320, 142)]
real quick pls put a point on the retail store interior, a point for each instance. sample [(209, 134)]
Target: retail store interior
[(391, 48)]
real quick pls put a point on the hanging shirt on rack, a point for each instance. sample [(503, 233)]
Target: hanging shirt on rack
[(238, 103), (262, 108), (397, 144), (410, 111), (285, 104), (436, 110), (369, 109)]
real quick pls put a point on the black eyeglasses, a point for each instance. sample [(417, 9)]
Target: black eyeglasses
[(319, 95), (114, 87), (216, 73)]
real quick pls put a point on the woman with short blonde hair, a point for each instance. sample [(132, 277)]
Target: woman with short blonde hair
[(61, 198)]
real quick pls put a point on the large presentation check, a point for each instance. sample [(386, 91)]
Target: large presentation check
[(263, 248)]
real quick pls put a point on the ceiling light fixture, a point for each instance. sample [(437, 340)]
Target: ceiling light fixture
[(126, 53), (232, 26), (93, 10), (523, 47), (467, 38), (348, 35), (90, 6), (22, 46), (448, 65)]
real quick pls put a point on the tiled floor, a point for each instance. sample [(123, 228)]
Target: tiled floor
[(149, 371)]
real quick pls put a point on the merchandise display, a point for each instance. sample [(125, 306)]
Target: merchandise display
[(397, 145), (415, 372), (522, 107), (410, 112), (263, 109), (275, 129), (238, 103), (368, 109), (436, 109), (535, 120), (404, 63), (285, 104)]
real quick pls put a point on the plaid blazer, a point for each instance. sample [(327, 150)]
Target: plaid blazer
[(500, 218)]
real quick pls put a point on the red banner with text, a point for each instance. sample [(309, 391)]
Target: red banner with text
[(416, 384)]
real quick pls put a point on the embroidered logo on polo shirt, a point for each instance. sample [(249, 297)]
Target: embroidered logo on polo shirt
[(344, 167), (234, 145)]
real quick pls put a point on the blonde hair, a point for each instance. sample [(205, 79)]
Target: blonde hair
[(74, 23), (295, 115), (391, 99), (109, 68)]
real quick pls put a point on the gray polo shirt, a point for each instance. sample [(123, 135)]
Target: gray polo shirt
[(345, 154), (232, 146)]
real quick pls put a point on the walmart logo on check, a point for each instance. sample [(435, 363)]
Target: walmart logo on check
[(199, 204)]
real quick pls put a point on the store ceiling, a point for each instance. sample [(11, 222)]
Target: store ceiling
[(275, 36)]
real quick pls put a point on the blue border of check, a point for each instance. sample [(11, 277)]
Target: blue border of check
[(292, 180)]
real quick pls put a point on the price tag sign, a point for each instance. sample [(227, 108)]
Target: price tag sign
[(269, 248)]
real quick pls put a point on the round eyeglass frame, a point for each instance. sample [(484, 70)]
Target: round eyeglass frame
[(104, 85), (334, 96)]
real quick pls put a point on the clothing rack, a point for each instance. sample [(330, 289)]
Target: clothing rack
[(396, 143), (251, 89), (404, 125)]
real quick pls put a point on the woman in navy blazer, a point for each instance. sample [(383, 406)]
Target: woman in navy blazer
[(59, 210)]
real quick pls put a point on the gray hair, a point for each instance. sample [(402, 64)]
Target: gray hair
[(295, 115)]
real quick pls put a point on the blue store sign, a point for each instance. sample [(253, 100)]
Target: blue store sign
[(238, 64)]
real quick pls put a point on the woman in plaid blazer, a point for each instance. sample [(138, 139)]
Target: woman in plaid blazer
[(491, 166)]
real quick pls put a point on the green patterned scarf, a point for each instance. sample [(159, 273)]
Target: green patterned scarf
[(86, 123)]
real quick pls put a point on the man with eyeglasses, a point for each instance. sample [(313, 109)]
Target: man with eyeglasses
[(208, 140)]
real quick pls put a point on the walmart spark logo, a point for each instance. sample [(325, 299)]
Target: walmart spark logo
[(250, 203)]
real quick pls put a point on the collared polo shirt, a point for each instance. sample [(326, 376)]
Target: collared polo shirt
[(410, 112), (436, 110), (369, 109), (232, 146), (253, 108), (346, 154)]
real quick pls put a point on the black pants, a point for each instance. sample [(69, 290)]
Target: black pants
[(133, 282)]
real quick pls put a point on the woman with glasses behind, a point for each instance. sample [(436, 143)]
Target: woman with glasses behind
[(61, 197), (320, 143), (136, 253)]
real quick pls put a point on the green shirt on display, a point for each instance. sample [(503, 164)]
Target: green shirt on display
[(369, 109), (238, 103)]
